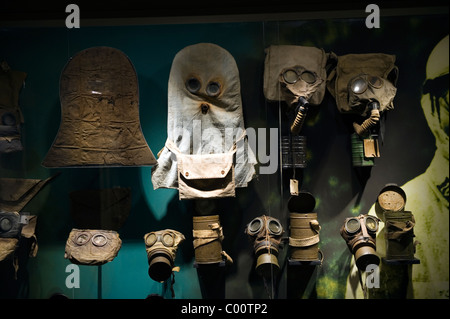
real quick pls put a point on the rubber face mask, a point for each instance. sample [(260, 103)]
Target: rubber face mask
[(100, 123), (265, 233), (205, 126), (161, 249), (360, 236)]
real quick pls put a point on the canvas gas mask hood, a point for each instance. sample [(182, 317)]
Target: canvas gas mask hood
[(296, 75), (206, 154), (364, 84), (100, 123)]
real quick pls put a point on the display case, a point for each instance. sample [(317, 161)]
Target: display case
[(413, 145)]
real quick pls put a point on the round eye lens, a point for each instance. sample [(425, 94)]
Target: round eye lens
[(359, 85), (5, 225), (8, 119), (99, 240), (375, 81), (352, 225), (167, 240), (193, 85), (308, 77), (255, 226), (275, 227), (151, 239), (290, 76), (371, 224), (213, 88), (82, 239)]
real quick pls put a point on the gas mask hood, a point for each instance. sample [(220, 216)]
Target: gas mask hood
[(100, 123), (292, 71), (205, 119), (359, 79)]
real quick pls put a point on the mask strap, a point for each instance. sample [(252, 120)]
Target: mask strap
[(363, 227)]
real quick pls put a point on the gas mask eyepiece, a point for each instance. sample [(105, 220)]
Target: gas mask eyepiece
[(360, 235), (161, 249), (265, 232), (291, 76), (359, 84)]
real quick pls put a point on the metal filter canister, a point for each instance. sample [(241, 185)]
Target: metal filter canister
[(358, 158), (304, 228), (390, 199), (208, 238), (305, 235)]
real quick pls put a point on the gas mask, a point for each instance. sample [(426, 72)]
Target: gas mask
[(10, 229), (371, 94), (364, 86), (360, 235), (161, 249), (98, 215), (398, 223), (10, 225), (92, 246), (206, 154), (265, 233), (11, 117), (100, 124), (296, 75), (17, 226)]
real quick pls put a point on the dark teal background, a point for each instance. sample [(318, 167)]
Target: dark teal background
[(339, 190)]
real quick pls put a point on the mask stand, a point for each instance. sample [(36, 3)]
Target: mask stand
[(99, 280)]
